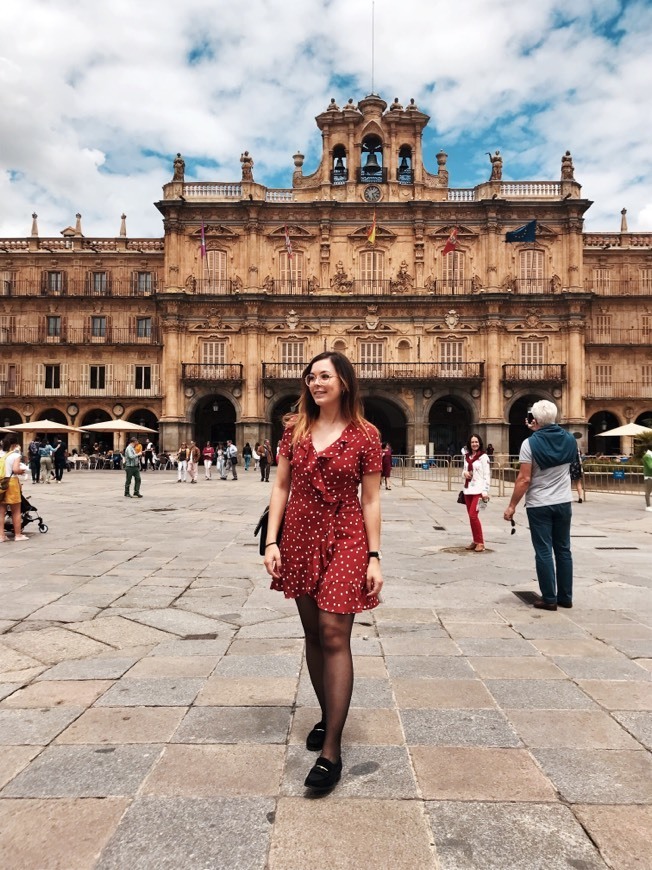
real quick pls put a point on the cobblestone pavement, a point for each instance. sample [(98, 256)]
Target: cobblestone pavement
[(155, 700)]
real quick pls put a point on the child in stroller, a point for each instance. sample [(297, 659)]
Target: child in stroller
[(27, 515)]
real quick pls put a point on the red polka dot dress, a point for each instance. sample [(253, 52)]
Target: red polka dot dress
[(324, 543)]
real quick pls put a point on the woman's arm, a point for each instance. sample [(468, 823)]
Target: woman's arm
[(486, 469), (370, 501), (277, 503)]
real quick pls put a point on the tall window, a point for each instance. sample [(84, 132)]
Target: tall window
[(53, 326), (601, 279), (52, 377), (646, 380), (531, 268), (98, 327), (97, 377), (646, 326), (453, 271), (532, 358), (99, 283), (143, 377), (6, 283), (372, 271), (55, 282), (143, 327), (142, 283), (213, 354), (371, 359), (290, 271), (603, 327), (451, 355), (215, 272), (646, 280), (292, 358)]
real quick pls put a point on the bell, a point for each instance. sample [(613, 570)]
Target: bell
[(339, 164), (403, 165), (372, 163)]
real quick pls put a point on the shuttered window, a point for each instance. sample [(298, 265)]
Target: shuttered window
[(601, 279), (531, 278), (451, 354), (532, 358), (603, 327), (453, 271), (372, 270), (371, 358), (290, 270), (603, 375), (215, 271), (143, 377)]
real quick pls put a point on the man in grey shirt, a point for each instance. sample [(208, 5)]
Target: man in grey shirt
[(544, 480), (132, 469)]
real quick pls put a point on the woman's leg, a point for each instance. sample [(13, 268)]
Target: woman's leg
[(16, 519), (335, 637), (309, 615), (474, 519)]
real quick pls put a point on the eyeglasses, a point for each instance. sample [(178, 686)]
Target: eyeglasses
[(322, 378), (513, 531)]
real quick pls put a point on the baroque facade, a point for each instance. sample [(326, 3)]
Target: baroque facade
[(204, 333)]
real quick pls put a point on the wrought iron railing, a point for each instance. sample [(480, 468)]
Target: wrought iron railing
[(388, 371), (618, 390), (619, 336), (79, 287), (81, 389), (211, 372), (80, 335), (546, 372)]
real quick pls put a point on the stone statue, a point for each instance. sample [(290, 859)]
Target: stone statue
[(268, 284), (313, 284), (509, 283), (247, 166), (191, 283), (430, 284), (476, 284), (496, 166), (236, 284), (403, 280), (555, 284), (567, 168), (396, 106), (179, 168), (340, 280)]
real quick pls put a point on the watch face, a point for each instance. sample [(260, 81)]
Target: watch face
[(372, 193)]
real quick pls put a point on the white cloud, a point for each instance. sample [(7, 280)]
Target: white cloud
[(91, 93)]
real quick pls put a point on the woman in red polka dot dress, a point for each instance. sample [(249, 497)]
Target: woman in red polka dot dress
[(328, 559)]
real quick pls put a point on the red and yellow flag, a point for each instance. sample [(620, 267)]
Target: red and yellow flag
[(451, 242), (371, 233)]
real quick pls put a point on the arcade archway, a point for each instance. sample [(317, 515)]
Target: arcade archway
[(390, 421), (9, 417), (449, 425), (284, 406), (518, 431), (214, 420), (603, 421), (103, 439), (53, 414), (645, 419), (143, 417)]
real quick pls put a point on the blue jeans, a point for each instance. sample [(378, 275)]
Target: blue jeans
[(550, 533)]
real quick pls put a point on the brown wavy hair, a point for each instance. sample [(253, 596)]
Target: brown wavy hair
[(350, 402)]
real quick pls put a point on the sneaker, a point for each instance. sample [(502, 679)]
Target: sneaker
[(648, 509)]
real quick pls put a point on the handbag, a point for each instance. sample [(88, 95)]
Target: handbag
[(460, 497), (261, 527)]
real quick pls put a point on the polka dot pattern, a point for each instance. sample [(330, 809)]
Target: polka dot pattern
[(324, 544)]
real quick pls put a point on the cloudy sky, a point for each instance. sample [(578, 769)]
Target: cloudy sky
[(96, 96)]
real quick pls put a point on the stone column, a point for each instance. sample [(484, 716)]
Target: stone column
[(575, 373)]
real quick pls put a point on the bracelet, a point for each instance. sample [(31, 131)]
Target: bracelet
[(271, 544)]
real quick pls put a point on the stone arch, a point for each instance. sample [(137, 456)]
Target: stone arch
[(213, 417), (9, 417), (143, 417), (53, 414), (450, 420), (282, 403), (602, 421), (390, 415), (516, 410)]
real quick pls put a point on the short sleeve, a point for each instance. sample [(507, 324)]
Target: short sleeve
[(526, 452), (371, 461), (285, 447)]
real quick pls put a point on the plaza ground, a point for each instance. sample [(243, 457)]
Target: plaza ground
[(155, 699)]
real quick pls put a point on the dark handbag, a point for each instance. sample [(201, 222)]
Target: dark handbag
[(460, 497), (262, 528)]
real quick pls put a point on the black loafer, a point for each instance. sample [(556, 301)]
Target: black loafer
[(324, 775), (542, 604), (315, 739), (564, 603)]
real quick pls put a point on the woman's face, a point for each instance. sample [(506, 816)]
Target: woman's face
[(326, 388), (475, 445)]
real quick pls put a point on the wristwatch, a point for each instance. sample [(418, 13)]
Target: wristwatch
[(374, 554)]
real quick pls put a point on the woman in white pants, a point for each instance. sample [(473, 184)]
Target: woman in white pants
[(182, 463), (208, 453)]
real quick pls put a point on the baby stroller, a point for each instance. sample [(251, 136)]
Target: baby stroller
[(27, 515)]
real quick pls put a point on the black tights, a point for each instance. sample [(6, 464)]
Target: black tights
[(330, 665)]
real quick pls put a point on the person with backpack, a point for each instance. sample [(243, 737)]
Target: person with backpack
[(46, 451), (34, 457), (10, 493)]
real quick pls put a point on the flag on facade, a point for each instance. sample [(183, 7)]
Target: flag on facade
[(202, 246), (451, 242), (288, 243), (526, 233), (371, 232)]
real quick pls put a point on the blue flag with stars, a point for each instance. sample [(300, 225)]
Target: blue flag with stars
[(526, 233)]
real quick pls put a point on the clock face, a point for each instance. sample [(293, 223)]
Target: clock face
[(372, 193)]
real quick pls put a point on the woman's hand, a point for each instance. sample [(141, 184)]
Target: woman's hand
[(374, 581), (272, 561), (485, 496), (467, 475)]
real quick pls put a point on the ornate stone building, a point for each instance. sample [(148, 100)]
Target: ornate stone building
[(204, 333)]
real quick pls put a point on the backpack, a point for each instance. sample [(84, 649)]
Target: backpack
[(4, 480), (34, 449)]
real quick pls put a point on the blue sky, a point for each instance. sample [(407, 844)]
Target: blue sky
[(97, 97)]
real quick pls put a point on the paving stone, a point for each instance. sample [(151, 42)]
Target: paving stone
[(22, 677), (90, 669), (153, 692), (634, 648), (366, 693), (456, 694), (573, 647), (618, 695), (65, 833), (234, 725), (638, 724), (12, 760), (407, 645), (266, 646), (174, 666), (602, 668), (204, 771), (369, 666), (546, 628), (247, 692), (217, 832), (584, 729), (64, 612), (368, 771), (259, 666), (7, 689), (84, 771), (627, 631), (459, 630), (451, 615), (409, 615), (370, 727), (479, 774), (58, 694), (599, 776), (34, 727), (490, 646), (621, 833), (178, 622), (181, 647), (458, 728), (401, 840), (538, 694), (116, 725), (278, 628), (52, 645), (439, 667), (515, 668), (119, 632), (518, 836)]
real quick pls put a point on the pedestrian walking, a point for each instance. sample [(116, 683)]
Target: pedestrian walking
[(544, 480), (46, 452), (577, 475), (194, 456), (208, 453), (34, 457), (329, 557), (132, 468), (10, 490), (476, 475), (387, 465), (647, 477), (265, 460), (220, 461), (60, 459), (255, 455), (148, 455), (182, 463), (246, 455), (232, 458)]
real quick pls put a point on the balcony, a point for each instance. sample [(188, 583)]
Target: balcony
[(81, 287), (339, 176), (372, 175), (548, 373), (618, 286), (618, 390), (215, 286), (620, 336), (77, 389), (12, 387), (211, 373), (38, 335), (462, 372)]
